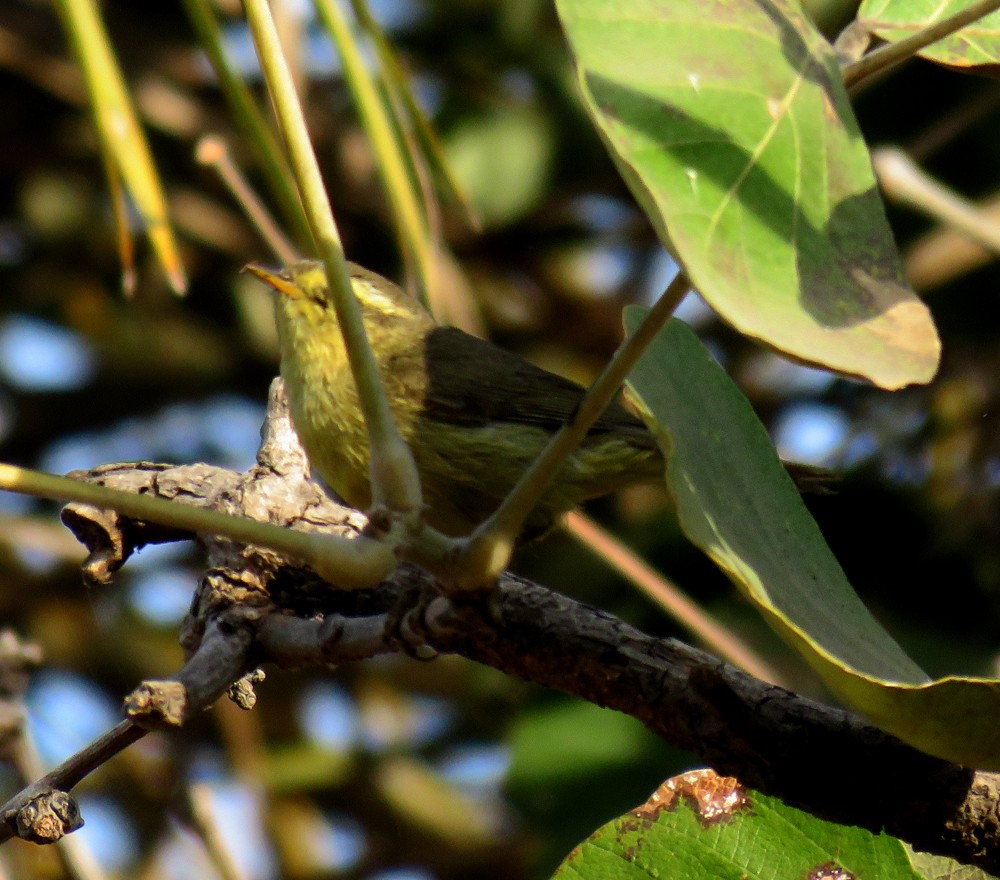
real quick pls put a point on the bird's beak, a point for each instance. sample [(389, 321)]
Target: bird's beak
[(276, 280)]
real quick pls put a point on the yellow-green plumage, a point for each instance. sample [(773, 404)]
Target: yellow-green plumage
[(474, 415)]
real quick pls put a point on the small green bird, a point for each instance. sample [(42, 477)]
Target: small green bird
[(475, 416)]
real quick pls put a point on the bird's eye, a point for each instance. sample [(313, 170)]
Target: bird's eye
[(320, 297)]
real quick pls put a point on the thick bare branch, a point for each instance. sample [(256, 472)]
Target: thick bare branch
[(821, 759)]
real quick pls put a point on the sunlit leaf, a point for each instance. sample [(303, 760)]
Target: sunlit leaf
[(730, 123), (974, 45), (703, 825)]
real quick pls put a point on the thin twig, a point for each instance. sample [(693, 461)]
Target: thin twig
[(684, 610), (904, 181), (394, 480), (71, 771), (488, 549), (213, 152), (895, 53)]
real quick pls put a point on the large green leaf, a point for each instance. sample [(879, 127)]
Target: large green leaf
[(729, 122), (737, 503), (974, 45), (703, 825)]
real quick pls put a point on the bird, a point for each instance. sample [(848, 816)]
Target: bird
[(474, 415)]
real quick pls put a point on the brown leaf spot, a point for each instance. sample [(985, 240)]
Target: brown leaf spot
[(829, 871), (713, 798)]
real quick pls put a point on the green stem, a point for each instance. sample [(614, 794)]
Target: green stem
[(894, 53), (260, 136), (488, 549), (352, 563), (391, 162), (904, 181), (122, 138), (394, 480), (408, 114)]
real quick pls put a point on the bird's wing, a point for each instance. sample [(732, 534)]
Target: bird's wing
[(515, 391)]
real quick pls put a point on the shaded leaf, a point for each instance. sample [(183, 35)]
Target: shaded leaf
[(738, 505)]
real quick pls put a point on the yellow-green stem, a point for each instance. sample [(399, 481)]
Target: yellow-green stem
[(351, 563), (394, 480), (488, 549), (121, 135), (390, 161), (259, 135), (409, 114), (894, 53)]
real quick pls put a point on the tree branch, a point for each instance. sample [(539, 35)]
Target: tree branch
[(820, 759)]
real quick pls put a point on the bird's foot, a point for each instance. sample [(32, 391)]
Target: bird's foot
[(406, 626), (379, 522)]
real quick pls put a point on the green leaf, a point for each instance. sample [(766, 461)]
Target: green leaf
[(729, 122), (736, 502), (942, 868), (894, 20), (501, 161), (703, 825), (574, 765), (556, 743)]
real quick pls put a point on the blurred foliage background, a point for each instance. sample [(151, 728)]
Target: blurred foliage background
[(398, 769)]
